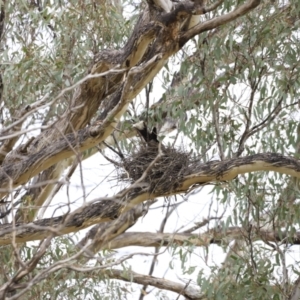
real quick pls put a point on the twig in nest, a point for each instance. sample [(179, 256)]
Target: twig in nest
[(109, 159)]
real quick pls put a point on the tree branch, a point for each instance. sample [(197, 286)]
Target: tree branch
[(213, 236), (100, 235), (218, 21), (179, 288), (108, 209)]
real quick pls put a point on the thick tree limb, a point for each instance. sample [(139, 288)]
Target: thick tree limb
[(231, 168), (20, 172), (107, 209), (158, 239), (218, 21), (179, 288), (98, 237), (12, 175), (213, 236)]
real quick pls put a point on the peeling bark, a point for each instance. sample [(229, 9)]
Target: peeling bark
[(107, 209)]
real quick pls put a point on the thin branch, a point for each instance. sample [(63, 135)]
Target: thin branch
[(213, 6), (246, 133), (152, 266), (201, 224), (215, 113), (68, 264)]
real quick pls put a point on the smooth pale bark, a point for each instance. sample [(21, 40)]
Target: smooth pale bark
[(179, 288), (214, 236)]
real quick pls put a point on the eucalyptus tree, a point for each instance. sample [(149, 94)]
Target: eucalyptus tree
[(72, 73)]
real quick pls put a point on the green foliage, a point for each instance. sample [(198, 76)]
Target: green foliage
[(50, 46), (235, 93)]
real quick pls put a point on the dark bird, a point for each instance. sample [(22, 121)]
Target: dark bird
[(156, 135), (149, 137)]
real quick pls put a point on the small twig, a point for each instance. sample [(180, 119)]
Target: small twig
[(117, 145), (112, 149), (109, 159), (148, 91), (215, 112), (185, 287), (201, 224), (213, 6), (152, 266)]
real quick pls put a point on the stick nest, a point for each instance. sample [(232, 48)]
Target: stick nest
[(164, 175)]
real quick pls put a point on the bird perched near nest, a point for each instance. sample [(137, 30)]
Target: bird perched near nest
[(149, 137), (155, 136)]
